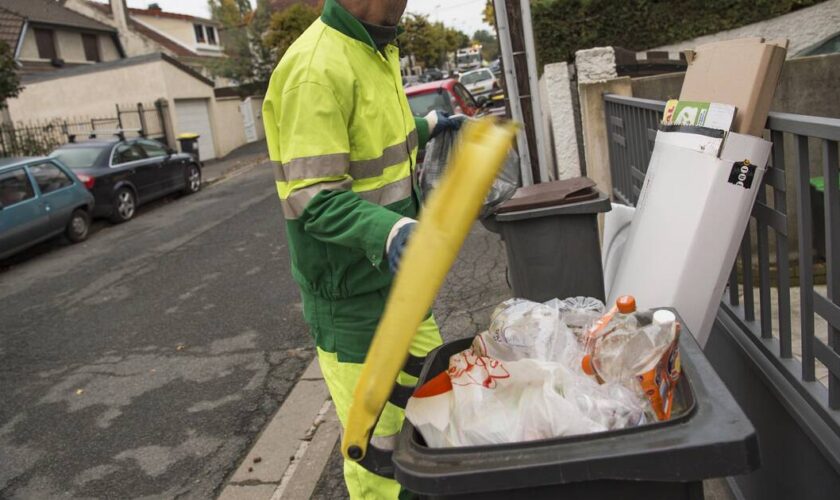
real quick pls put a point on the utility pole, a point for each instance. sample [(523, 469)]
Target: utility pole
[(516, 41)]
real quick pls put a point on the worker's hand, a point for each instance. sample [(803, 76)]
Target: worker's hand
[(440, 122), (397, 241)]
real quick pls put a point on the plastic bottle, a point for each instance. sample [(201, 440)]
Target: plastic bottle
[(620, 315), (630, 351)]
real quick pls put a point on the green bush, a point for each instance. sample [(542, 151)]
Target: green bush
[(562, 27)]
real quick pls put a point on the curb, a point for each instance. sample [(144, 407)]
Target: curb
[(286, 460), (234, 170)]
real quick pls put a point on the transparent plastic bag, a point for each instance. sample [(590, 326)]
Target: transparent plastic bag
[(437, 156), (578, 312), (523, 329)]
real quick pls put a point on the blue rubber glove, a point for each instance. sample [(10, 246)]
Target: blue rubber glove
[(397, 246), (440, 122)]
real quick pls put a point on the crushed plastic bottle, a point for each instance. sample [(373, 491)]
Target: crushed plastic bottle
[(618, 317), (629, 351)]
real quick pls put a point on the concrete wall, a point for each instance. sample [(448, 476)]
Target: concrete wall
[(556, 96), (229, 122), (803, 28), (92, 94), (256, 105), (595, 129)]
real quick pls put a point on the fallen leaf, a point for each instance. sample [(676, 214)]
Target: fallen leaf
[(257, 460)]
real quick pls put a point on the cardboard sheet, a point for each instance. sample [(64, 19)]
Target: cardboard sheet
[(743, 73)]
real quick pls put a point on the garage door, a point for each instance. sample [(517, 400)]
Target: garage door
[(193, 116)]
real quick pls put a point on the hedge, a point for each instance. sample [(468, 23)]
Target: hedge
[(562, 27)]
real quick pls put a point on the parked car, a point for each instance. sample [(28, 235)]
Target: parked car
[(123, 174), (432, 75), (447, 96), (40, 198), (479, 82)]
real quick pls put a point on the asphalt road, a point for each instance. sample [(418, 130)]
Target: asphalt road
[(143, 362)]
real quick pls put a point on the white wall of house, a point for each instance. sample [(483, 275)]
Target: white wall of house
[(229, 124), (133, 43), (92, 94), (182, 31), (68, 46), (803, 28)]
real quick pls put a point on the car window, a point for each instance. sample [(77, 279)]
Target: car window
[(15, 187), (475, 77), (153, 149), (49, 177), (465, 95), (128, 152), (421, 104), (76, 158)]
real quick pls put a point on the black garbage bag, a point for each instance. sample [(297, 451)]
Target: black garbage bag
[(438, 151)]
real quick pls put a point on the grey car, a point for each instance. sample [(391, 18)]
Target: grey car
[(39, 199)]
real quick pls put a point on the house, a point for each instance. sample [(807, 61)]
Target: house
[(46, 36), (192, 40)]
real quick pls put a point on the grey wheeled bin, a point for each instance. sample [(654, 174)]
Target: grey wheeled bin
[(552, 241), (708, 436)]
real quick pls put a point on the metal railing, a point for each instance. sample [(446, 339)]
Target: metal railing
[(804, 351), (41, 137)]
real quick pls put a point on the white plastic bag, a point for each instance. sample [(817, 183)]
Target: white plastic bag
[(491, 402)]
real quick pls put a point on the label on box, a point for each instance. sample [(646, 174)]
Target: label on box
[(742, 174), (699, 114)]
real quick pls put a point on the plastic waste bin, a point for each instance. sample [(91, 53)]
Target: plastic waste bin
[(707, 436), (552, 241), (818, 216), (189, 143)]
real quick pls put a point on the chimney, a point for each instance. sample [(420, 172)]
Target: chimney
[(119, 10)]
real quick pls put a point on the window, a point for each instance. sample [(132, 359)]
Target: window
[(74, 157), (421, 104), (211, 35), (128, 152), (153, 149), (465, 95), (15, 187), (46, 43), (91, 45), (49, 177), (199, 33)]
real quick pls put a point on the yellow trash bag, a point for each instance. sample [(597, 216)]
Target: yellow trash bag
[(432, 249)]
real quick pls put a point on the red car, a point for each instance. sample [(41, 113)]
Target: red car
[(448, 96)]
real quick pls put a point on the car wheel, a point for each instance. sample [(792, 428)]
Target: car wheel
[(193, 179), (125, 205), (79, 226)]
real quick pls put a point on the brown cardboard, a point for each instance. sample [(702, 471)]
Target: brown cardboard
[(742, 72)]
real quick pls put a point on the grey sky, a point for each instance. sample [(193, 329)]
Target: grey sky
[(462, 14)]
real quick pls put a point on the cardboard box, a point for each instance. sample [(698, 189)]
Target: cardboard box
[(743, 73)]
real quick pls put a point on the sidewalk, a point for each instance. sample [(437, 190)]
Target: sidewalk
[(241, 157)]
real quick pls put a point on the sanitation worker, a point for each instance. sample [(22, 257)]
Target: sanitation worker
[(343, 142)]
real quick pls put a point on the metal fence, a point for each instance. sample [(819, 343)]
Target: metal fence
[(802, 343), (41, 137)]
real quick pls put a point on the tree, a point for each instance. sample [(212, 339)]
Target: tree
[(489, 44), (9, 81), (248, 61), (286, 26), (488, 15), (429, 43)]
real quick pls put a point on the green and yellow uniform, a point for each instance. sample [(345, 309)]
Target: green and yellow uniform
[(343, 142)]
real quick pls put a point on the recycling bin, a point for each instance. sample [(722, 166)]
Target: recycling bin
[(552, 240), (708, 436), (189, 143)]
